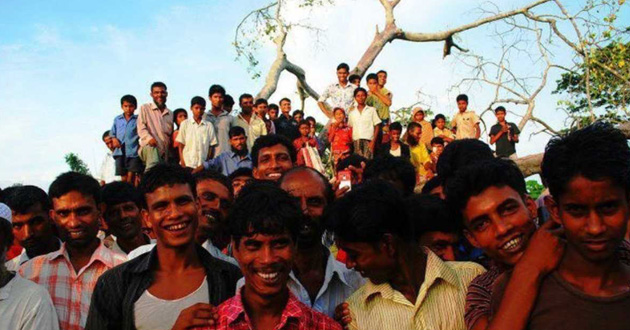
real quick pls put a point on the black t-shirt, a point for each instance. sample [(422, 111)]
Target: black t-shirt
[(287, 127), (505, 147)]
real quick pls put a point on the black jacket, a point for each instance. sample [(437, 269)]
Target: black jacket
[(117, 290), (383, 150)]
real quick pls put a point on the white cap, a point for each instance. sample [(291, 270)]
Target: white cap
[(5, 212)]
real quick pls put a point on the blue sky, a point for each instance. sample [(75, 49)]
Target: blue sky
[(65, 65)]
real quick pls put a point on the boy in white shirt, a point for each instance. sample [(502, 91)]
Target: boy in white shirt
[(196, 137)]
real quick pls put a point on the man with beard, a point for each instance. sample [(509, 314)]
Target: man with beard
[(121, 210), (272, 155), (70, 273), (155, 126), (230, 161), (176, 285), (32, 226), (264, 224), (253, 125)]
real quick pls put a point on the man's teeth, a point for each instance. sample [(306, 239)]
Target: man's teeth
[(274, 175), (268, 276), (512, 244), (178, 226)]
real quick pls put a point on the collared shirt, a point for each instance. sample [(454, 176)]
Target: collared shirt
[(157, 124), (197, 139), (419, 157), (339, 284), (287, 127), (222, 124), (213, 250), (439, 305), (107, 172), (446, 132), (338, 96), (117, 290), (126, 131), (25, 305), (363, 122), (465, 123), (15, 263), (228, 162), (295, 316), (254, 129), (70, 291)]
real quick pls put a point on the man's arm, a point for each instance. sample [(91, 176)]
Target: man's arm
[(515, 133), (321, 103), (143, 130), (494, 135), (386, 100), (180, 149), (477, 131)]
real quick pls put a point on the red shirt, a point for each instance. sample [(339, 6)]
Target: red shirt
[(295, 316), (340, 139), (299, 144)]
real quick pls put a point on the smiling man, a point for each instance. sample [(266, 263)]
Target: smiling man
[(175, 285), (272, 155), (32, 226), (264, 226), (70, 273)]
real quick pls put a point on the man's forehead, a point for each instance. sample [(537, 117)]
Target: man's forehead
[(276, 149), (73, 197), (213, 186), (302, 182), (174, 190)]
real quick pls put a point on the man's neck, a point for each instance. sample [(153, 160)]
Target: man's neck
[(589, 276), (246, 115), (80, 256), (177, 259), (308, 259), (127, 116), (412, 264), (216, 111), (286, 115), (343, 83), (53, 244), (128, 245), (198, 119), (259, 308), (161, 106)]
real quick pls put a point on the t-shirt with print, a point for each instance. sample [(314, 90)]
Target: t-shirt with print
[(465, 123), (505, 147)]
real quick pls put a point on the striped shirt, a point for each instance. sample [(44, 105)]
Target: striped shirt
[(439, 305), (70, 291)]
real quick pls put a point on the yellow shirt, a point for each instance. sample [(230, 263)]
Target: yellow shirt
[(419, 157), (439, 305), (446, 132)]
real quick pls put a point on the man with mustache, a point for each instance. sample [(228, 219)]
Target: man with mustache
[(121, 210), (229, 161), (264, 224), (32, 226), (70, 274), (272, 155), (155, 126)]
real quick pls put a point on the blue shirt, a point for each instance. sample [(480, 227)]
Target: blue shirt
[(228, 162), (126, 132)]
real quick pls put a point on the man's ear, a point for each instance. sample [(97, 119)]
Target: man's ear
[(255, 173), (531, 206), (553, 208), (145, 217), (471, 238), (388, 244)]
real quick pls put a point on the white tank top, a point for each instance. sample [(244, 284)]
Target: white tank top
[(153, 313)]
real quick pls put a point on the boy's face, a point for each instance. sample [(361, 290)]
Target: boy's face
[(395, 135), (462, 105), (265, 262), (108, 143), (181, 117), (382, 78), (372, 260), (216, 100), (440, 123), (500, 116), (419, 116), (437, 148), (159, 94), (198, 110), (261, 110), (500, 222), (356, 81), (372, 84), (285, 107), (305, 129), (361, 96), (342, 75), (594, 215), (298, 117), (128, 108), (273, 114)]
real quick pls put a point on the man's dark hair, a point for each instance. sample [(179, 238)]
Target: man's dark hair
[(433, 183), (264, 208), (236, 131), (395, 126), (303, 122), (105, 134), (244, 96), (367, 213), (430, 213), (241, 171), (165, 175), (371, 76), (118, 192), (271, 140), (273, 106), (460, 153), (462, 97), (596, 152), (358, 90), (228, 101), (214, 176), (158, 84), (22, 198), (260, 101), (437, 140), (473, 179), (284, 99), (354, 160), (129, 99), (73, 181), (298, 112), (382, 71), (214, 89), (329, 193), (354, 77), (439, 116), (392, 169), (198, 100), (6, 235), (343, 66), (499, 109)]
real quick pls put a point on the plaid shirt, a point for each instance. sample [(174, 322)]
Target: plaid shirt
[(295, 316), (70, 291)]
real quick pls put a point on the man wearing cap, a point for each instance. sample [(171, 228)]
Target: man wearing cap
[(24, 305)]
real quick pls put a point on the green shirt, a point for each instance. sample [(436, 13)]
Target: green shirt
[(381, 109)]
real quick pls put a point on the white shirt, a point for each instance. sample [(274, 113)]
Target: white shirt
[(25, 305), (222, 124), (363, 122), (395, 153), (14, 264), (153, 313), (465, 123), (107, 171), (213, 250), (254, 129), (339, 96), (197, 139), (339, 284)]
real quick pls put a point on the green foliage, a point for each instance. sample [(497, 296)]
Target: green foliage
[(534, 189), (76, 164)]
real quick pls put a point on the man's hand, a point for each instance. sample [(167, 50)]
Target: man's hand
[(197, 315), (358, 172), (504, 128), (342, 315), (152, 142), (545, 249), (340, 192), (115, 142)]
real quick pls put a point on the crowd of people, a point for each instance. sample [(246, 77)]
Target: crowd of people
[(230, 220)]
